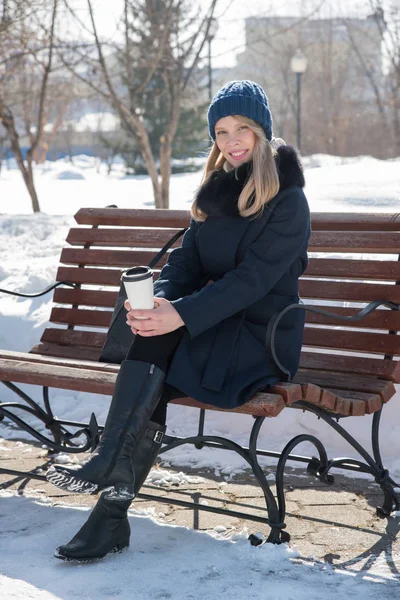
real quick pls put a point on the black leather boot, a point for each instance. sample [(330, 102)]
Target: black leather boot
[(137, 392), (107, 528)]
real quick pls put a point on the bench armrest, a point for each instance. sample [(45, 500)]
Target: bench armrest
[(276, 318)]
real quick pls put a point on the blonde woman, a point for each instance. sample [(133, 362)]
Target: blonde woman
[(239, 263)]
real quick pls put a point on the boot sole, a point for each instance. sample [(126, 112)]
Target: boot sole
[(66, 481), (118, 549)]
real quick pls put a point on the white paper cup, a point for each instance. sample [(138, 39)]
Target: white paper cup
[(138, 282)]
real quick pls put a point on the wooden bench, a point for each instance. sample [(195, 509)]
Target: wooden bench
[(347, 368)]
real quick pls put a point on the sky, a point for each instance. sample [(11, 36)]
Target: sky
[(230, 39)]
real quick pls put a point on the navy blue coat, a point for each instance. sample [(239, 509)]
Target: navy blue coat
[(254, 266)]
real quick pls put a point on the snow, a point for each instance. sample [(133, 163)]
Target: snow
[(163, 562), (188, 564)]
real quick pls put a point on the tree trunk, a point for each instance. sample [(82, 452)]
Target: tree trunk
[(147, 155), (166, 145), (30, 184), (7, 120), (396, 129), (165, 169)]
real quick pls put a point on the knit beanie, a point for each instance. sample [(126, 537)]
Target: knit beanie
[(244, 98)]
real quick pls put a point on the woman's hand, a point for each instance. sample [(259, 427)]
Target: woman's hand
[(163, 318)]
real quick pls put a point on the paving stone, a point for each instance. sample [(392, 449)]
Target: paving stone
[(334, 513)]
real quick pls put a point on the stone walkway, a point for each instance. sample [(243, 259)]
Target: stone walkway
[(336, 524)]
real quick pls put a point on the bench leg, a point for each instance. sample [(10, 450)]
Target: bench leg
[(383, 479), (62, 439), (276, 515), (250, 455), (372, 464)]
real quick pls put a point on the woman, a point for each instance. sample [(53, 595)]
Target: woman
[(248, 236)]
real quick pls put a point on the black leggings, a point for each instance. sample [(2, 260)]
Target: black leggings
[(158, 349)]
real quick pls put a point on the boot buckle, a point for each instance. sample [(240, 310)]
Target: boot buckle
[(158, 436)]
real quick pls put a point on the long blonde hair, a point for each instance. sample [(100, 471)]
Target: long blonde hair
[(263, 183)]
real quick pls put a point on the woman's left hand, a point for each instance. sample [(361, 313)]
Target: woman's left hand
[(163, 318)]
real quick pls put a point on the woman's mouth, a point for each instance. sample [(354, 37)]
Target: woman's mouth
[(238, 155)]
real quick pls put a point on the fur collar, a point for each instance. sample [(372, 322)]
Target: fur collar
[(219, 196)]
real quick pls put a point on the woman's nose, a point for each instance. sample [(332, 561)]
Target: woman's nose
[(233, 139)]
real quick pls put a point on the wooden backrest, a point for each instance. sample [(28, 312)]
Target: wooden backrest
[(354, 259)]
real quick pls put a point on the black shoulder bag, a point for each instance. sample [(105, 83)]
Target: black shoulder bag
[(119, 336)]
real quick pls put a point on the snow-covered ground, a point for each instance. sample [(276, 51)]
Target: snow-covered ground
[(189, 564), (164, 562)]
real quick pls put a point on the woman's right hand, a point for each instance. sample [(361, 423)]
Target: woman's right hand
[(130, 317)]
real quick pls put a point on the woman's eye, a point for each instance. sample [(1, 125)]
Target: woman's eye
[(243, 127), (220, 132)]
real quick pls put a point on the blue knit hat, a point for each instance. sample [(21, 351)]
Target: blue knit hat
[(244, 98)]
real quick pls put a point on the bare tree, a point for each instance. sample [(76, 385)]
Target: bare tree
[(28, 60), (161, 44)]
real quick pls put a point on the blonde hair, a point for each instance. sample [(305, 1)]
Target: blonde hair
[(263, 183)]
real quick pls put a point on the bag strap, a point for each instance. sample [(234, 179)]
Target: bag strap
[(167, 246), (37, 294)]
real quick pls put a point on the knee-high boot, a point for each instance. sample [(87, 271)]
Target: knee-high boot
[(107, 528), (137, 392)]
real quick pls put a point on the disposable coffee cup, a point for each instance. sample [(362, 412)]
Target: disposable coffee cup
[(138, 282)]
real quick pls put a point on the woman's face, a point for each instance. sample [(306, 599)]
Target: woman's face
[(235, 140)]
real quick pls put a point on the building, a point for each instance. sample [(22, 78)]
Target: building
[(344, 63)]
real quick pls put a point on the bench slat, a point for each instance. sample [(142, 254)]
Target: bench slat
[(67, 337), (344, 402), (355, 241), (75, 316), (261, 405), (356, 221), (138, 238), (109, 258), (67, 378), (372, 403), (321, 241), (93, 276), (342, 381), (102, 298), (382, 368), (360, 341), (180, 218), (356, 292), (345, 268), (380, 319), (49, 349), (90, 276), (133, 217), (52, 360)]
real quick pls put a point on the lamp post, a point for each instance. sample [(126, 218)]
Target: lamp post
[(212, 30), (298, 64)]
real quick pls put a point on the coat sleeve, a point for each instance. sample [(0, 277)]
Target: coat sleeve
[(183, 274), (265, 262)]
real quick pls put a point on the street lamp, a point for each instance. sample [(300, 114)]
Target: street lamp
[(212, 30), (298, 64)]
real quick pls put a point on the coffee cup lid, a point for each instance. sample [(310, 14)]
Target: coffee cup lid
[(137, 274)]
